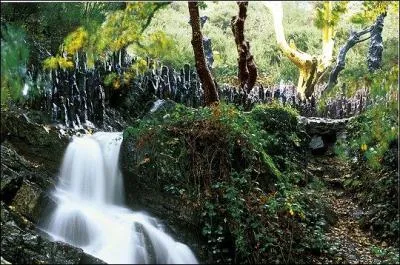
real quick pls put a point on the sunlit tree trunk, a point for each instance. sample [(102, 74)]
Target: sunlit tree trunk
[(311, 67), (207, 81), (327, 38)]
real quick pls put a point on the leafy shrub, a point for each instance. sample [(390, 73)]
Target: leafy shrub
[(14, 57), (371, 146), (371, 133), (221, 161)]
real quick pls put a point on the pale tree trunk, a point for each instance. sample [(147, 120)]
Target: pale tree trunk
[(327, 39), (247, 69), (311, 67), (206, 79)]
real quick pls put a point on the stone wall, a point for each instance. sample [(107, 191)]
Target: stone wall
[(79, 97)]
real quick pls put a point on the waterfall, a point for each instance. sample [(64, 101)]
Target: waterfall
[(90, 212)]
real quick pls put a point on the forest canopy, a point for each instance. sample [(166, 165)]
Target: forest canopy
[(161, 30)]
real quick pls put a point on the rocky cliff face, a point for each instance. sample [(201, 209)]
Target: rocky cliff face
[(30, 156)]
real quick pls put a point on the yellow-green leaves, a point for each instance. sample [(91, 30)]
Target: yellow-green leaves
[(327, 13), (371, 9), (55, 62), (125, 27), (159, 44), (120, 28), (76, 40)]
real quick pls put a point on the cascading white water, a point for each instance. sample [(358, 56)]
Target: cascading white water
[(90, 214)]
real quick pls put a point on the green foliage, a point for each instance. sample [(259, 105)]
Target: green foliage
[(14, 57), (222, 161), (75, 41), (372, 132), (56, 62), (125, 27), (391, 256), (121, 28), (117, 81), (371, 145), (326, 16), (356, 74), (49, 23), (259, 30), (371, 9)]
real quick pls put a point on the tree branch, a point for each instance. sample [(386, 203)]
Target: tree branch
[(341, 59), (364, 39), (151, 15)]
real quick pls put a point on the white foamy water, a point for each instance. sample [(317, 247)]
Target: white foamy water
[(90, 214)]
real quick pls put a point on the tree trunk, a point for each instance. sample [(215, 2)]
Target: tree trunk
[(311, 67), (206, 79), (373, 63), (308, 78), (375, 50), (247, 69), (341, 59)]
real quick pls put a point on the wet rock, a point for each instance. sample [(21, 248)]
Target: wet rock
[(10, 182), (32, 202), (26, 200), (23, 245), (146, 248), (42, 144), (15, 168), (161, 108)]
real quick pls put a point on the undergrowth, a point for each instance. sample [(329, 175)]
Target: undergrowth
[(243, 174), (371, 146)]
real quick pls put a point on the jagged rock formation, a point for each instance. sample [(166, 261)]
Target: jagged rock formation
[(30, 157), (80, 98)]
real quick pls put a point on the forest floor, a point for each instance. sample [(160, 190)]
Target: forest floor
[(349, 244)]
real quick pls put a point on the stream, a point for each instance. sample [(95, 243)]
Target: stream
[(90, 212)]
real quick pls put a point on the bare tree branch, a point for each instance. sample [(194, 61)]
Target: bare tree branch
[(352, 40)]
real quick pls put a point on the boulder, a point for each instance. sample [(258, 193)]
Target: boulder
[(31, 202), (42, 144), (15, 168), (160, 108), (316, 143), (23, 245)]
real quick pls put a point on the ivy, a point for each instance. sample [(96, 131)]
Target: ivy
[(222, 161)]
